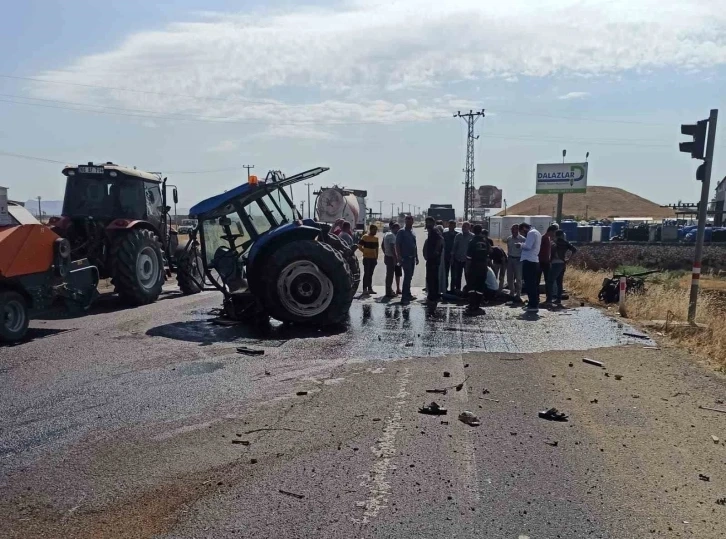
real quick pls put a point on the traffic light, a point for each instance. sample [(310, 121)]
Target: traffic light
[(698, 132)]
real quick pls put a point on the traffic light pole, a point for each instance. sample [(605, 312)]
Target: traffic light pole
[(702, 214)]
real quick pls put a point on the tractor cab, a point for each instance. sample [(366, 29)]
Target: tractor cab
[(259, 252)]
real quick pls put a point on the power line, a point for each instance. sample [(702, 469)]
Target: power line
[(54, 161), (471, 118)]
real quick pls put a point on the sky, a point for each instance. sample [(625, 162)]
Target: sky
[(366, 87)]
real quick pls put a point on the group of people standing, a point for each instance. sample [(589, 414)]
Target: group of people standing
[(450, 254)]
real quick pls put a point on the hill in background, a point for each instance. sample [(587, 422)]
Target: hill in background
[(599, 202)]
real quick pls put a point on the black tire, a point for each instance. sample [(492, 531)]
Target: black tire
[(13, 316), (307, 282), (138, 266), (189, 271), (350, 258)]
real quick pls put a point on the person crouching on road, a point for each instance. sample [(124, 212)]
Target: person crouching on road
[(477, 261), (433, 250), (368, 245), (499, 264), (393, 267), (530, 264)]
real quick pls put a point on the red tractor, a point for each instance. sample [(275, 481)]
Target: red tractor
[(118, 218)]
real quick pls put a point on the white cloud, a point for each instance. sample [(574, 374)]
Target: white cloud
[(356, 52), (293, 132), (574, 95), (224, 146)]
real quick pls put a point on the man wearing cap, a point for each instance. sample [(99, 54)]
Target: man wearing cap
[(530, 264)]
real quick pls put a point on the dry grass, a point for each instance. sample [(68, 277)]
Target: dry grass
[(665, 299)]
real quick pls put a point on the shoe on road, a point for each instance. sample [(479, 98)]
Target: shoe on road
[(532, 309)]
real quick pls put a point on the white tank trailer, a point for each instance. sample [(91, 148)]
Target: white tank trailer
[(335, 203)]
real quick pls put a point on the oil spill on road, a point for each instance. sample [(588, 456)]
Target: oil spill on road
[(379, 331)]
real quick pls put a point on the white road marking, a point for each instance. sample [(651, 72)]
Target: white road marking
[(376, 481)]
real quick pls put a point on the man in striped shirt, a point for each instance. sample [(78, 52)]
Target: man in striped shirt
[(368, 245)]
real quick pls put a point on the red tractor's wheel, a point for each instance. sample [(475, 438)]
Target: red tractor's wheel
[(13, 316), (138, 266)]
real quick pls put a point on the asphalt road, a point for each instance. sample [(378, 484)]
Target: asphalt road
[(147, 423)]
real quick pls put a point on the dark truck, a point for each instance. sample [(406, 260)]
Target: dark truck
[(442, 212)]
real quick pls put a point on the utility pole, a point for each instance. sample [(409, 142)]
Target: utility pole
[(392, 204), (309, 184), (380, 209), (471, 118), (248, 167), (695, 148), (40, 213), (302, 207), (560, 196)]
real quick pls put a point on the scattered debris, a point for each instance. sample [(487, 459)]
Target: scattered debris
[(591, 362), (715, 439), (704, 477), (636, 335), (286, 493), (241, 442), (409, 344), (712, 409), (593, 401), (678, 394), (571, 364), (618, 376), (301, 393), (460, 386), (607, 374), (466, 365), (432, 409), (635, 396), (267, 373), (719, 401), (442, 391), (249, 351), (376, 419), (253, 461), (444, 422), (447, 374), (511, 358), (271, 429), (721, 501), (553, 444), (469, 418), (490, 400), (485, 391), (553, 415)]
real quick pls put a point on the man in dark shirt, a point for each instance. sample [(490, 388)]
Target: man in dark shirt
[(407, 256), (545, 257), (477, 260), (433, 250), (449, 237)]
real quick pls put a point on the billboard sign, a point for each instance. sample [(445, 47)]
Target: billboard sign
[(561, 178), (487, 196)]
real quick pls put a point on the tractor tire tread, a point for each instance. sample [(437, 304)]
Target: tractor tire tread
[(124, 252)]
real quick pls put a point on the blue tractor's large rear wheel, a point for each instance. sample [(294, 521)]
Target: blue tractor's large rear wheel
[(308, 282)]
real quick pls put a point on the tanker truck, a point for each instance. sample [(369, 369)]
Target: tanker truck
[(335, 203)]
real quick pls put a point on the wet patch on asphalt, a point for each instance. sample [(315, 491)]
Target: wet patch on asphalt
[(380, 331)]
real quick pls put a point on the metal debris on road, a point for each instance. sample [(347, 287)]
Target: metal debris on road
[(636, 335), (553, 444), (593, 401), (511, 358), (712, 409), (432, 409), (469, 418), (721, 501), (490, 400), (460, 386), (249, 351), (591, 362), (301, 393), (485, 391), (447, 374), (241, 442), (704, 477), (553, 415), (618, 376), (292, 494), (442, 391), (715, 439)]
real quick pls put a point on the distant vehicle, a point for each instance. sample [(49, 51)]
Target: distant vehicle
[(118, 218), (186, 226), (442, 212), (335, 203), (267, 261)]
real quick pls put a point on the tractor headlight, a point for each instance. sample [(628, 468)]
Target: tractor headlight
[(63, 248), (62, 257)]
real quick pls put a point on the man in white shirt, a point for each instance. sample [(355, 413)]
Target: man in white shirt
[(514, 264), (393, 267), (530, 264)]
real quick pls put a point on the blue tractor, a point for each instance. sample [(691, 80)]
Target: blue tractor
[(267, 260)]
